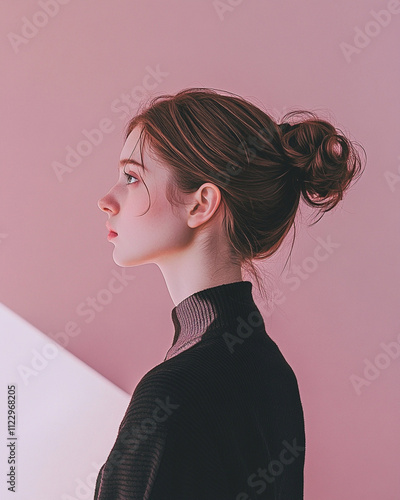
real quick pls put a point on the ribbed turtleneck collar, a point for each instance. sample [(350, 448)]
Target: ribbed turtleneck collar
[(212, 308)]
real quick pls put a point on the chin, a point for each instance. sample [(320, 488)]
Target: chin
[(130, 261)]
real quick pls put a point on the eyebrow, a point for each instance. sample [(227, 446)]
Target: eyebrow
[(130, 161)]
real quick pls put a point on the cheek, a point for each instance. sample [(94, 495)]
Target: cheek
[(160, 227), (166, 225)]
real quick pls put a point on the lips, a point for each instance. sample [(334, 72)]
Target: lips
[(111, 230)]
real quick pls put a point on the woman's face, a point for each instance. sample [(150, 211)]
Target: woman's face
[(158, 233)]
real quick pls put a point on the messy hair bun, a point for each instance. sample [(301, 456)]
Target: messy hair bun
[(261, 168), (323, 160)]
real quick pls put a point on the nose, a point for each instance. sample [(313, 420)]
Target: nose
[(101, 204), (105, 203)]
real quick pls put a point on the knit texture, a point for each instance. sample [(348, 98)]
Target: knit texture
[(219, 419)]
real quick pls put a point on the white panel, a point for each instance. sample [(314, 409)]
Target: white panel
[(67, 415)]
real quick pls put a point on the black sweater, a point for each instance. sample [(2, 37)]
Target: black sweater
[(219, 419)]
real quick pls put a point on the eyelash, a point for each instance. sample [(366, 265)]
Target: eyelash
[(133, 177)]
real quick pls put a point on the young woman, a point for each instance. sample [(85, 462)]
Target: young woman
[(207, 184)]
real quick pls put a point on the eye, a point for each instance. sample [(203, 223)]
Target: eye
[(129, 176)]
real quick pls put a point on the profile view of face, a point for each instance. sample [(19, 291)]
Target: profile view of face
[(157, 234)]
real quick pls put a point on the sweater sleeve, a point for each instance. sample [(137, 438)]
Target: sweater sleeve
[(131, 467)]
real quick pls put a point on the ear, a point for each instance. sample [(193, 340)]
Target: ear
[(203, 204)]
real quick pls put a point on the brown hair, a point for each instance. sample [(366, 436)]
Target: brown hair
[(260, 167)]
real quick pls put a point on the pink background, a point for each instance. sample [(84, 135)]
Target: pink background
[(71, 75)]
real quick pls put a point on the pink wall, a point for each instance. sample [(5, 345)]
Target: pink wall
[(68, 72)]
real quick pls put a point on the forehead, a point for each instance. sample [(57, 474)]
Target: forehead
[(131, 148)]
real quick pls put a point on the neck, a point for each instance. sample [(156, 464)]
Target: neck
[(180, 290), (203, 263)]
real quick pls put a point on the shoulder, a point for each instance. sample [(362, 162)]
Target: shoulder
[(165, 394)]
